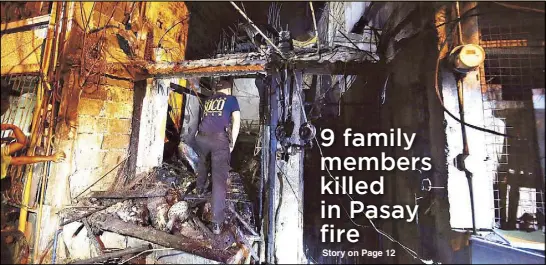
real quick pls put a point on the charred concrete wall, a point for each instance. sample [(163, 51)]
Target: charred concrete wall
[(18, 58), (409, 48), (397, 93), (153, 119), (97, 101), (102, 139)]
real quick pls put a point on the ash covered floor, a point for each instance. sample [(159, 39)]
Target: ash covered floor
[(161, 207)]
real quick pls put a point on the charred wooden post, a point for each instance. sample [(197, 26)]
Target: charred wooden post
[(112, 224), (272, 169)]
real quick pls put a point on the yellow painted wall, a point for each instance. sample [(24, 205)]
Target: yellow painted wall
[(21, 51), (170, 22)]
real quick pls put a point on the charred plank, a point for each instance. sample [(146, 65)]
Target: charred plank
[(127, 195), (112, 224), (240, 218)]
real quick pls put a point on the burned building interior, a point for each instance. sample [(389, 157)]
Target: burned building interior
[(117, 87)]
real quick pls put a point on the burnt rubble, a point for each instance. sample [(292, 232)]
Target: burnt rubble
[(161, 207)]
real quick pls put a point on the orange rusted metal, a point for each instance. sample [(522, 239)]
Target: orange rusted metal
[(160, 70), (504, 43)]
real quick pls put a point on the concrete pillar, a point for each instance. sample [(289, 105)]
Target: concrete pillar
[(287, 207), (481, 161), (152, 125), (538, 105)]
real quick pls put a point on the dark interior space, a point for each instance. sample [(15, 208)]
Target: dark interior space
[(519, 69), (208, 27)]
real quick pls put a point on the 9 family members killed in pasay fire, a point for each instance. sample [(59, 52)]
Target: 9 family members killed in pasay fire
[(347, 185), (215, 138)]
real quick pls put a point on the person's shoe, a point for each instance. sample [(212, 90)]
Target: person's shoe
[(216, 228)]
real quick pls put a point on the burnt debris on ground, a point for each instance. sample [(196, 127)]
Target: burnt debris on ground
[(162, 208)]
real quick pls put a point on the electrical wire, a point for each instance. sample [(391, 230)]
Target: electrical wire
[(521, 8), (459, 26), (315, 27), (289, 184), (145, 251), (381, 232), (171, 27)]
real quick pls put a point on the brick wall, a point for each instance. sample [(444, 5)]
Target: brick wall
[(104, 128)]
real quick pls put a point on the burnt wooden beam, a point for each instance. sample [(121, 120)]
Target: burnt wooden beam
[(188, 71), (115, 254), (128, 195), (338, 60), (240, 218), (184, 90), (185, 244), (199, 199), (84, 215), (202, 226)]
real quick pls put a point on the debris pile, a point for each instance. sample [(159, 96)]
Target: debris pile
[(161, 207)]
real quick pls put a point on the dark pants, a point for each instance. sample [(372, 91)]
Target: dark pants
[(217, 146)]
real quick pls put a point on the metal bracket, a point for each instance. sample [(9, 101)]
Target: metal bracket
[(426, 185)]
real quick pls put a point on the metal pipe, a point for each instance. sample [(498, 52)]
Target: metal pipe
[(59, 25), (263, 174), (39, 97), (58, 38), (55, 240), (264, 165), (43, 180)]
